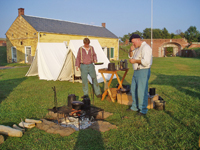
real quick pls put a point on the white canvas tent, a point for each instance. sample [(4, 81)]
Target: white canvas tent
[(53, 61), (48, 61)]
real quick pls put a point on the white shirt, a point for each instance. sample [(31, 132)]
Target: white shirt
[(143, 53), (87, 51)]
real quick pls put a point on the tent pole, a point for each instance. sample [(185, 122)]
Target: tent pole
[(72, 67)]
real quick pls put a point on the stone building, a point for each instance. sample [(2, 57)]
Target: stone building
[(26, 31)]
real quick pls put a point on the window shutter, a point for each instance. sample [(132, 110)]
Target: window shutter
[(112, 53)]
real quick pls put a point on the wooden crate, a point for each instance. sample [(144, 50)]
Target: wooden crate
[(151, 100), (124, 98), (114, 93)]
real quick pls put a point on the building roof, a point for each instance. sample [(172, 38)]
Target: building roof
[(65, 27)]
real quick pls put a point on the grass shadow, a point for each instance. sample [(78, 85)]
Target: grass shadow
[(7, 87), (180, 122), (89, 139), (190, 85)]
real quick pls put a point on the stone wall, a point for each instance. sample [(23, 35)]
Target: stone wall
[(159, 46), (195, 44)]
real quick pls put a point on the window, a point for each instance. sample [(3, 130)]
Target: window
[(14, 54), (28, 54)]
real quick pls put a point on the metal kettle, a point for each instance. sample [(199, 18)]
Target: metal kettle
[(125, 66), (86, 102), (121, 65)]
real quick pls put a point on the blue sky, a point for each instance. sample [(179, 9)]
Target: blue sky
[(121, 17)]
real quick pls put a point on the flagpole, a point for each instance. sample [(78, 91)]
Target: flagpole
[(151, 23)]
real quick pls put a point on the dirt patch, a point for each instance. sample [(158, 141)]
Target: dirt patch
[(51, 127), (102, 126)]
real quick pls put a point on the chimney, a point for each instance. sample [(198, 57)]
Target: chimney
[(20, 11), (104, 25)]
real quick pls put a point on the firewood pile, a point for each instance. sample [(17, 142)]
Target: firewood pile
[(17, 130)]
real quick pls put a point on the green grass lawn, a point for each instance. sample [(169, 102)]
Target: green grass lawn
[(176, 79), (3, 55)]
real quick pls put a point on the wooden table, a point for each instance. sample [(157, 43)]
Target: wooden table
[(107, 91)]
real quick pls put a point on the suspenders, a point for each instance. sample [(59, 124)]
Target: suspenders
[(91, 54)]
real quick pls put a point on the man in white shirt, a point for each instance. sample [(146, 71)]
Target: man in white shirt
[(140, 55)]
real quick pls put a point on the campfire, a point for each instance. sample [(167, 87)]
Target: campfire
[(77, 114), (77, 124)]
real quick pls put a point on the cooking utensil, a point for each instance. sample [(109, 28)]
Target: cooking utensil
[(111, 66), (125, 64), (77, 105), (124, 90), (55, 98), (71, 98), (117, 67), (99, 63), (86, 102), (121, 65), (152, 91)]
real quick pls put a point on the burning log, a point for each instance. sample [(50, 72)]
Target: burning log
[(32, 121), (6, 130)]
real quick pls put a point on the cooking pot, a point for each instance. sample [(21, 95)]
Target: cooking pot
[(111, 66), (152, 91), (124, 90), (71, 98), (77, 105)]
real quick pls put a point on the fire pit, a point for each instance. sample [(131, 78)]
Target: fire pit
[(77, 114), (79, 118)]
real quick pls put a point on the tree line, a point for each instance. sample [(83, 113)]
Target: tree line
[(192, 34)]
